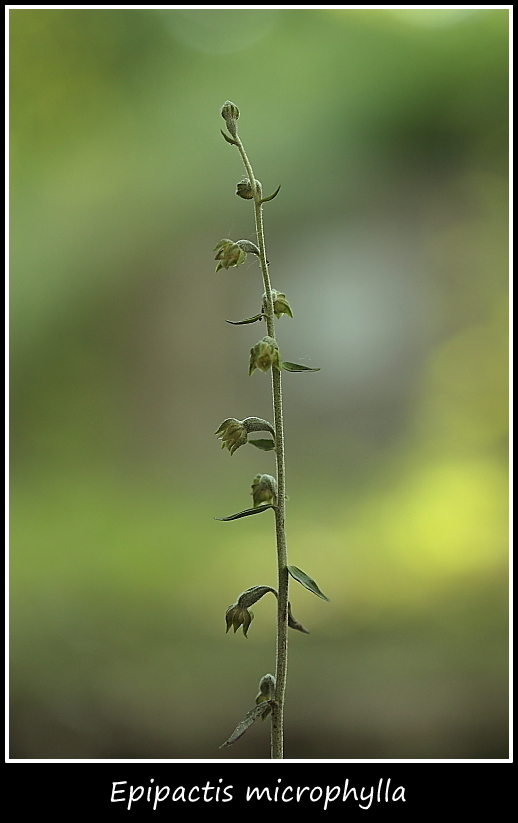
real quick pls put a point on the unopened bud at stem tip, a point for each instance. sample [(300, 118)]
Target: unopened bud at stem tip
[(230, 114)]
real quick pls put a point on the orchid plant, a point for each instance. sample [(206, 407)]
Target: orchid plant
[(268, 492)]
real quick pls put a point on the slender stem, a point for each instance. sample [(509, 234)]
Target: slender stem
[(281, 663)]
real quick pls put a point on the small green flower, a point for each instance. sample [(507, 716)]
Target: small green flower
[(232, 433), (280, 304), (229, 254), (237, 616), (264, 355), (264, 490)]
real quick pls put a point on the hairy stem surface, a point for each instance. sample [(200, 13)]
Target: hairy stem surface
[(281, 663)]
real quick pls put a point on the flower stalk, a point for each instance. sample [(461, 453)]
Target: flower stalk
[(281, 661), (268, 492)]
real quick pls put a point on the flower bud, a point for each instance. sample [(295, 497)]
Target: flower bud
[(244, 189), (230, 114), (266, 688), (280, 304), (264, 355), (266, 692), (264, 489), (228, 254)]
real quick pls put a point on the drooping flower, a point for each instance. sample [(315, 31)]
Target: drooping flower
[(264, 489), (229, 254), (238, 615), (264, 355), (280, 304), (234, 433)]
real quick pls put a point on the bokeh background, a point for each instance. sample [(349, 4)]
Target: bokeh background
[(388, 132)]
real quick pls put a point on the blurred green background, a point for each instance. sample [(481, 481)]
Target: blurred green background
[(388, 132)]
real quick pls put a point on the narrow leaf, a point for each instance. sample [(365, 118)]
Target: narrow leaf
[(306, 581), (276, 192), (294, 624), (247, 721), (296, 367), (246, 513), (264, 445), (253, 319), (228, 139)]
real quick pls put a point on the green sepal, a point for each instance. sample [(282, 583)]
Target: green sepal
[(264, 445), (306, 581), (296, 367), (253, 319), (246, 513)]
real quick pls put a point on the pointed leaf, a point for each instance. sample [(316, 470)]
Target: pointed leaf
[(253, 319), (264, 445), (246, 513), (294, 624), (247, 721), (296, 367), (228, 139), (306, 581), (276, 192)]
